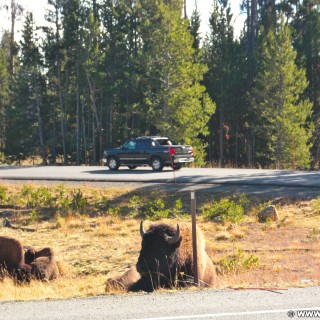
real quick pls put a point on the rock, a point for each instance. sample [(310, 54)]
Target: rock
[(269, 213)]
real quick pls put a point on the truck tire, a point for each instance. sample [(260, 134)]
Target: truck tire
[(156, 164), (113, 163)]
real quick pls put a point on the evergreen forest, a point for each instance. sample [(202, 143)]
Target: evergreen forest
[(101, 71)]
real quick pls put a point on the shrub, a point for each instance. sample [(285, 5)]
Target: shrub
[(102, 204), (177, 209), (3, 194), (244, 201), (61, 199), (135, 204), (316, 204), (78, 202), (34, 216), (26, 194), (41, 197), (238, 262), (154, 209), (114, 211), (36, 198), (223, 211)]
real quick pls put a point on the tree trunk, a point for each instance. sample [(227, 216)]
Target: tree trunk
[(221, 155), (94, 145), (165, 111), (101, 136), (84, 133), (237, 143), (40, 125), (54, 138), (251, 47), (63, 117), (110, 123), (13, 21), (62, 111), (78, 118), (249, 148), (95, 116), (252, 33)]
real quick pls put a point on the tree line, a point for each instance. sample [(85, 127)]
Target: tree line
[(102, 71)]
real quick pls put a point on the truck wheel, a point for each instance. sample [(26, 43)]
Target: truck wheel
[(113, 163), (177, 166), (156, 164), (131, 167)]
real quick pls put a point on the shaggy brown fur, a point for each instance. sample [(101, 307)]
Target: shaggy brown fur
[(43, 263), (123, 281), (206, 269), (164, 264), (12, 260)]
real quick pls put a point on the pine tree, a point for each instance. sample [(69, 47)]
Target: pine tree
[(306, 24), (4, 98), (175, 100), (195, 22), (14, 12), (26, 122), (221, 54), (55, 57), (282, 112)]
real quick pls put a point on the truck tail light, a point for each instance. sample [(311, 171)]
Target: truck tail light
[(192, 151), (172, 151)]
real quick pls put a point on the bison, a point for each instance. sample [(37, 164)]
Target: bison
[(166, 260), (12, 260), (43, 263), (124, 281)]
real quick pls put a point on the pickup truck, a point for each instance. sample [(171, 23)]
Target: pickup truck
[(154, 151)]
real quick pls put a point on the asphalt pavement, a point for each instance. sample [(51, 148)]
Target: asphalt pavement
[(299, 184), (226, 304)]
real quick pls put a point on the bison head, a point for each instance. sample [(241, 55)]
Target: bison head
[(23, 274), (158, 262), (29, 255)]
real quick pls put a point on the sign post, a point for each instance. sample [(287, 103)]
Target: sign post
[(194, 238)]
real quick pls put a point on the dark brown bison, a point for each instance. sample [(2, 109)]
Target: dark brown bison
[(166, 259), (124, 281), (12, 260), (43, 263)]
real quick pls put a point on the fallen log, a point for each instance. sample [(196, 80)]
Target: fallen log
[(7, 223)]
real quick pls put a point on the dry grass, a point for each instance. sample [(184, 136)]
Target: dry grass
[(93, 247)]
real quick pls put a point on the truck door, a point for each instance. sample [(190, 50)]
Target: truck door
[(128, 151), (142, 151)]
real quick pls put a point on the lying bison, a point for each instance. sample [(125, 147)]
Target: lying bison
[(12, 260), (43, 263), (123, 282), (166, 260)]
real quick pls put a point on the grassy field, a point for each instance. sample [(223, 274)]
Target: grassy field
[(95, 233)]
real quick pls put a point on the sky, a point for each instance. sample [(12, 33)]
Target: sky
[(204, 7)]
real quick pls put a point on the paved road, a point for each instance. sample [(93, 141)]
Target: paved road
[(276, 182), (205, 304)]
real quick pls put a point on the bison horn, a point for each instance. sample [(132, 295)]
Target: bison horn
[(175, 238), (142, 232)]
